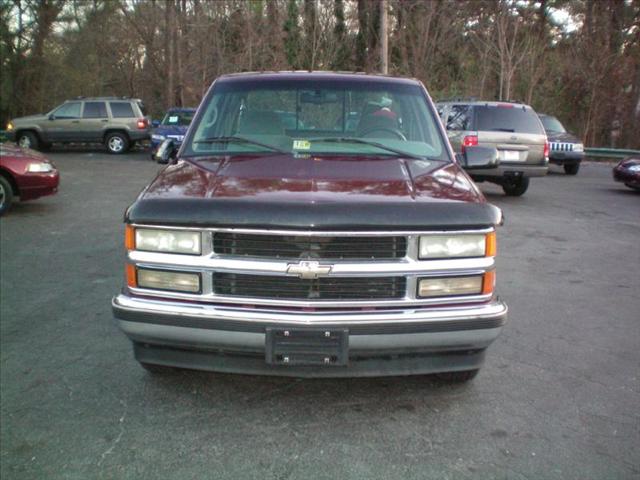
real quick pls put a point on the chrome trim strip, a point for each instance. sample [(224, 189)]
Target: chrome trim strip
[(403, 266), (408, 301), (323, 233), (250, 315)]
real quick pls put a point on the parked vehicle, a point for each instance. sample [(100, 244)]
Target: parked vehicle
[(565, 148), (322, 250), (25, 174), (628, 172), (117, 122), (173, 126), (513, 128)]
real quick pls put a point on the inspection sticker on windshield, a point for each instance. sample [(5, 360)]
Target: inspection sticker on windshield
[(301, 145)]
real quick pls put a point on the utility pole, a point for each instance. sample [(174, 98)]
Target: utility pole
[(384, 38)]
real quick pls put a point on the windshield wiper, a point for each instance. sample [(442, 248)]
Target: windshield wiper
[(367, 142), (502, 129), (238, 139)]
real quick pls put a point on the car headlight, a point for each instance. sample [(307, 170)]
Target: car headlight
[(39, 167), (169, 241), (634, 168), (457, 246), (159, 138), (578, 147), (9, 126), (166, 280), (450, 286)]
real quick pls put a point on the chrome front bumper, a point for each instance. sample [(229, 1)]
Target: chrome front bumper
[(382, 342)]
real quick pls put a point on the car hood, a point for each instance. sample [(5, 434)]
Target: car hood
[(563, 137), (29, 118), (313, 192), (170, 130), (10, 150)]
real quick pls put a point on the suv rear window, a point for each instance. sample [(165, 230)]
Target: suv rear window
[(121, 109), (509, 118)]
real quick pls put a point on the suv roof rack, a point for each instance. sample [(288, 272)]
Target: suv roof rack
[(460, 99), (124, 97)]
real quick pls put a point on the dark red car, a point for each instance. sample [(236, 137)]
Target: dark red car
[(26, 174), (313, 224), (628, 172)]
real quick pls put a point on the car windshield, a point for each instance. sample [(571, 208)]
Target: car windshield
[(552, 124), (507, 118), (182, 118), (317, 117)]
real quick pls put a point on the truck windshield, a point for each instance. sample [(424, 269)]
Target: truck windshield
[(178, 118), (317, 117)]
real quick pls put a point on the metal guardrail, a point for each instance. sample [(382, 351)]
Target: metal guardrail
[(610, 152)]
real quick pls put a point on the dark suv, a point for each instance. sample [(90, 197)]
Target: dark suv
[(513, 128), (566, 149), (117, 122)]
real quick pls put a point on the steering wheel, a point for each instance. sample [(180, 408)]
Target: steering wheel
[(394, 131)]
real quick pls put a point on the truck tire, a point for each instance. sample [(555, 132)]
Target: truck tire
[(6, 195), (457, 377), (572, 169), (515, 187), (28, 140), (117, 143)]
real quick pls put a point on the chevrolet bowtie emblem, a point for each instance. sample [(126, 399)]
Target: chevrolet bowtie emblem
[(308, 270)]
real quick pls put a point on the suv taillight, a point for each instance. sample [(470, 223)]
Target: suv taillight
[(546, 149), (469, 141), (143, 123)]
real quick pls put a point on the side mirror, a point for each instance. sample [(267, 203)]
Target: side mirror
[(479, 158), (155, 123), (52, 117), (166, 151)]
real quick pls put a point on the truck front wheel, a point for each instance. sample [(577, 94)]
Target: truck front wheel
[(27, 140)]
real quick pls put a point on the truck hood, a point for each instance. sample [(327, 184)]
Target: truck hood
[(562, 137), (313, 193)]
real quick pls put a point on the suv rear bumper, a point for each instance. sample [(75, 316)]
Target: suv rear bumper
[(506, 169), (383, 342)]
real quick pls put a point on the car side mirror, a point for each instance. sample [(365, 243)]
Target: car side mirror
[(166, 152), (52, 117), (155, 123), (478, 158)]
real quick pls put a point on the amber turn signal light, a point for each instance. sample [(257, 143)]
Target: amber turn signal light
[(491, 246), (132, 280), (489, 282), (129, 237)]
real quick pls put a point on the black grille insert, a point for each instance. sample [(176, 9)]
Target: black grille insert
[(309, 247), (294, 288)]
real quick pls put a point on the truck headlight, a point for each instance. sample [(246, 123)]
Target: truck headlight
[(169, 241), (39, 167), (452, 286), (9, 126), (166, 280), (457, 246), (578, 147)]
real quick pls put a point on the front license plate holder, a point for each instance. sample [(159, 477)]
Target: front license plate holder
[(328, 347)]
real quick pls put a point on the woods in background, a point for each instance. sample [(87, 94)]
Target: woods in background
[(576, 59)]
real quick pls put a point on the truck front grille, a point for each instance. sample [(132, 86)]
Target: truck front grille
[(294, 288), (310, 247), (561, 147)]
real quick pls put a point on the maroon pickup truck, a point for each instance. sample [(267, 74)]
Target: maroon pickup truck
[(313, 224)]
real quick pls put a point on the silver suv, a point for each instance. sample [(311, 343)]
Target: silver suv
[(116, 122), (513, 128)]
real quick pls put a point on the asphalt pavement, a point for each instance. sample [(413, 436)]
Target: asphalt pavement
[(558, 397)]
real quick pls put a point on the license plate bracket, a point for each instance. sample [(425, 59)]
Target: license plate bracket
[(328, 347)]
